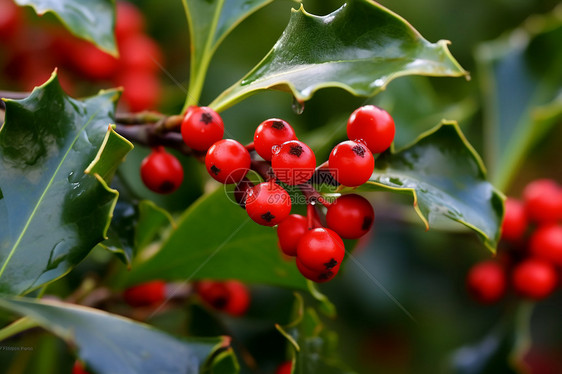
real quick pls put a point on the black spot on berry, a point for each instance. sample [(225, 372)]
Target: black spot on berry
[(330, 264), (359, 150), (215, 170), (367, 221), (166, 187), (278, 125), (325, 275), (220, 302), (296, 150), (206, 118), (268, 217)]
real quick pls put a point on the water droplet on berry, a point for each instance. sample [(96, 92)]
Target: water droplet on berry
[(275, 149), (298, 106)]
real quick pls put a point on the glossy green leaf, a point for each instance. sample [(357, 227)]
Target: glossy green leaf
[(209, 23), (360, 47), (216, 239), (56, 157), (110, 344), (521, 79), (133, 227), (92, 20), (500, 351), (446, 179), (314, 347)]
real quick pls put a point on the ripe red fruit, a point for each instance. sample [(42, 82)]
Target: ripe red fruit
[(351, 163), (534, 278), (372, 125), (78, 368), (515, 221), (293, 162), (268, 203), (201, 128), (227, 161), (543, 200), (139, 52), (93, 62), (486, 281), (129, 20), (315, 275), (546, 243), (290, 231), (145, 294), (270, 133), (10, 19), (141, 90), (161, 172), (351, 216), (231, 296), (320, 249), (284, 368)]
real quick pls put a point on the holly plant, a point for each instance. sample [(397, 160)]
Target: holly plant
[(156, 228)]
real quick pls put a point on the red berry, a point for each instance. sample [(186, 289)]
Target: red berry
[(293, 162), (161, 172), (351, 216), (78, 368), (10, 19), (543, 200), (141, 90), (270, 133), (284, 368), (227, 161), (320, 249), (139, 52), (230, 296), (546, 243), (268, 203), (514, 222), (372, 125), (146, 294), (486, 281), (201, 128), (534, 278), (351, 163), (315, 275), (129, 20), (289, 232), (93, 62)]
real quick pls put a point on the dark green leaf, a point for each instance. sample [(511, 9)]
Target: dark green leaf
[(56, 156), (92, 20), (209, 23), (215, 238), (314, 346), (111, 344), (360, 47), (500, 351), (521, 80), (446, 179)]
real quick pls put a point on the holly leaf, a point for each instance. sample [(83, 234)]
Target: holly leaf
[(133, 227), (446, 179), (92, 20), (57, 155), (500, 351), (109, 344), (216, 239), (360, 47), (314, 347), (521, 80), (209, 23)]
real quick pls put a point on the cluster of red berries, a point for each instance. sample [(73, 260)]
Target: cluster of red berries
[(532, 247), (29, 56), (229, 296), (319, 250)]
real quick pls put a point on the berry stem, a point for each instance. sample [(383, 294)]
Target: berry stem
[(312, 216), (250, 147), (147, 135), (263, 168)]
